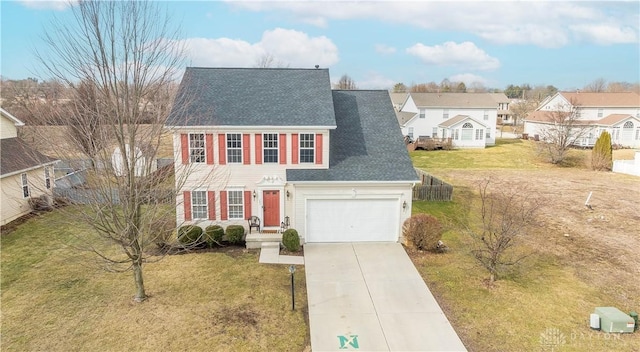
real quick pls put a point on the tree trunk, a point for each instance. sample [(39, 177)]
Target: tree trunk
[(137, 275)]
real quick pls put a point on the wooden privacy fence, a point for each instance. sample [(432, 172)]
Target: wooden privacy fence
[(432, 188)]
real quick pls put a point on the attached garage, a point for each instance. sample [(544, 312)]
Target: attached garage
[(352, 220)]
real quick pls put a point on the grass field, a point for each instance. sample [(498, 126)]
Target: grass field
[(54, 299), (544, 304)]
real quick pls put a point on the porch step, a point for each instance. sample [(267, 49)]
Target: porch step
[(255, 240)]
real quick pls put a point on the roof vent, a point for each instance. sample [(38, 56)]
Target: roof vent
[(317, 67)]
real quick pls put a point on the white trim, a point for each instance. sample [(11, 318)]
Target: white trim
[(15, 120), (28, 169)]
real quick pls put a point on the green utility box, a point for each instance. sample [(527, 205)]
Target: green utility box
[(614, 320)]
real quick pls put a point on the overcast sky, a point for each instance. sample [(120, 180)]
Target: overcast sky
[(380, 43)]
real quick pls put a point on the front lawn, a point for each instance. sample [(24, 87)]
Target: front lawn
[(580, 258), (55, 299)]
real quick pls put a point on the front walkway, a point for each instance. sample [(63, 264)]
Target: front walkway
[(370, 297)]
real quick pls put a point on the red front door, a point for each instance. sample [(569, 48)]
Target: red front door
[(271, 208)]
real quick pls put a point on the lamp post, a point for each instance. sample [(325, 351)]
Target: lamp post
[(292, 269)]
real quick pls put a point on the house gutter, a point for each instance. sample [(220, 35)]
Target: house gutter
[(28, 169)]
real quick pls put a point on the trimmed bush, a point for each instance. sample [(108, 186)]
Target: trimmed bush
[(423, 231), (190, 234), (235, 233), (602, 153), (213, 234), (291, 240)]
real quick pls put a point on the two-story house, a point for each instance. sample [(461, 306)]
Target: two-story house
[(467, 119), (617, 113), (281, 145), (25, 172)]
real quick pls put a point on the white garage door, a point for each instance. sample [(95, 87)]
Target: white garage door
[(352, 220)]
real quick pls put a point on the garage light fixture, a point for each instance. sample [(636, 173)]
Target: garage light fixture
[(254, 194), (288, 194), (404, 205)]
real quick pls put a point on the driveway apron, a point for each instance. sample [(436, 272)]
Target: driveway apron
[(370, 297)]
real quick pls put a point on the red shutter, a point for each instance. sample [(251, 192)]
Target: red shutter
[(282, 145), (184, 144), (318, 148), (258, 148), (222, 149), (295, 147), (209, 147), (223, 206), (187, 205), (212, 204), (247, 204), (246, 151)]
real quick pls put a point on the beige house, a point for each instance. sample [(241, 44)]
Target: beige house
[(24, 172)]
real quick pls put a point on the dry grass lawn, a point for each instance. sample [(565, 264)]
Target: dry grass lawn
[(580, 258), (56, 300)]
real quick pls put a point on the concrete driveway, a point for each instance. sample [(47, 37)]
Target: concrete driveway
[(370, 297)]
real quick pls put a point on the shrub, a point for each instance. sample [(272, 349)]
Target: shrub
[(213, 234), (235, 233), (42, 203), (423, 231), (190, 234), (291, 240), (602, 153)]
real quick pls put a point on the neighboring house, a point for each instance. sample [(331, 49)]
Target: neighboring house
[(24, 172), (468, 119), (617, 113), (281, 145)]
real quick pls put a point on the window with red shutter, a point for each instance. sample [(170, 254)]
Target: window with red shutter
[(247, 204), (211, 195), (223, 205), (258, 148), (184, 144), (246, 151), (187, 205), (283, 148), (222, 152), (318, 148), (209, 148), (294, 148)]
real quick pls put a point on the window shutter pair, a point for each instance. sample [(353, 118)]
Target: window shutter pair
[(295, 145), (224, 211), (208, 144), (211, 205)]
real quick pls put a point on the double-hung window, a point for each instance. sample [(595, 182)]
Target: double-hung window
[(234, 147), (486, 115), (196, 147), (422, 114), (479, 133), (47, 178), (445, 113), (25, 185), (270, 147), (199, 204), (235, 204), (307, 148)]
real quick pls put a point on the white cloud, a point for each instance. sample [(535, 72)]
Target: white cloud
[(465, 54), (374, 80), (542, 23), (57, 5), (468, 78), (384, 49), (289, 47), (606, 34)]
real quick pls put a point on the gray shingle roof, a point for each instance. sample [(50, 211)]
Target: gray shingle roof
[(253, 97), (367, 144), (16, 156)]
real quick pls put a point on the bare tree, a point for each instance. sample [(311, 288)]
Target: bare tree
[(519, 111), (562, 129), (505, 216), (346, 83), (268, 60), (598, 86), (117, 57)]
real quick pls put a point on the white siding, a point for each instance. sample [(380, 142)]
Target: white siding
[(399, 193), (7, 128)]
